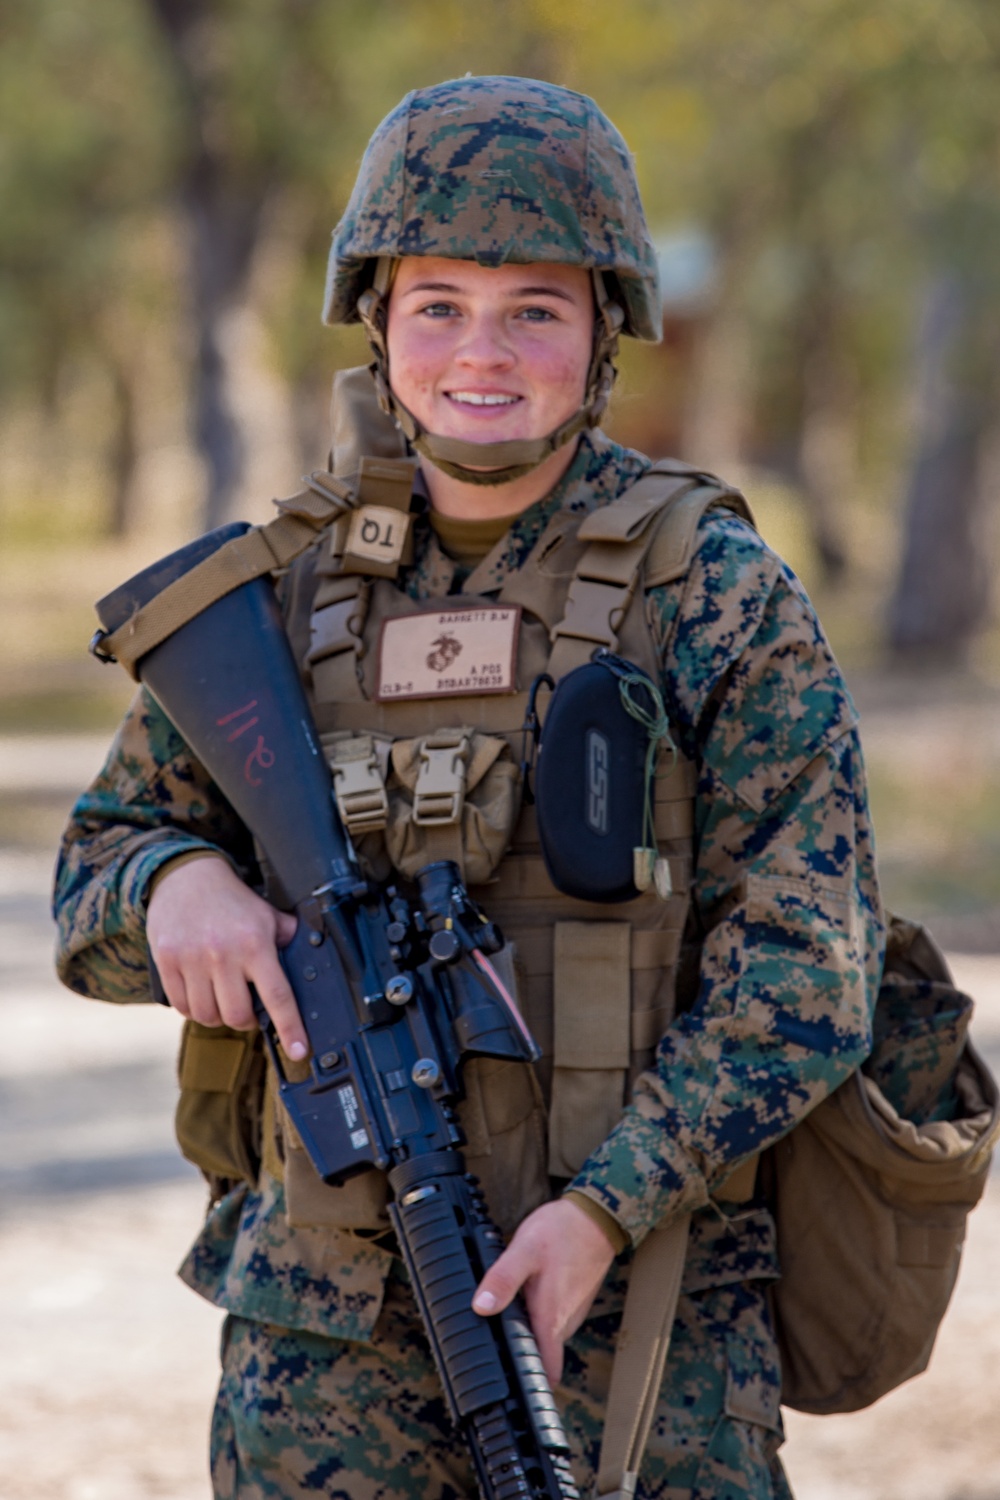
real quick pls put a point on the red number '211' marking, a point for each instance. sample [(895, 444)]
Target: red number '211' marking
[(260, 755)]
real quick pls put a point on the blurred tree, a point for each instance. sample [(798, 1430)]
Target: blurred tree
[(85, 158), (842, 156), (223, 181), (942, 594), (272, 118)]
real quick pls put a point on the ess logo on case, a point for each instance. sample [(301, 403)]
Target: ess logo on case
[(597, 781)]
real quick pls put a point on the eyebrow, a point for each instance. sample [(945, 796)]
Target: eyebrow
[(521, 291)]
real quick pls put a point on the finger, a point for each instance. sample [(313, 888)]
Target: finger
[(201, 1001), (277, 999), (285, 925), (172, 983), (502, 1282), (232, 996), (551, 1351), (550, 1335)]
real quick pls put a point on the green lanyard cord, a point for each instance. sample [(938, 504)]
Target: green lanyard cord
[(657, 726)]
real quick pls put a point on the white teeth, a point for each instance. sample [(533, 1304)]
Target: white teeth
[(473, 398)]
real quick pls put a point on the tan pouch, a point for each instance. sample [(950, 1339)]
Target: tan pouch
[(357, 1204), (453, 794), (871, 1212), (592, 1038), (218, 1113), (503, 1116)]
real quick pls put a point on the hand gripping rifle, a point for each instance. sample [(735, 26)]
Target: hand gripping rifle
[(395, 994)]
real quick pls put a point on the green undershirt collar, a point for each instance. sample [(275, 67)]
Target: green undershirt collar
[(469, 541)]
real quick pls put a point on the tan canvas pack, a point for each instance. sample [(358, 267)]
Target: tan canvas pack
[(871, 1206)]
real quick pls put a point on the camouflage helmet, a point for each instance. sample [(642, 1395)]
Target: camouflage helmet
[(497, 170)]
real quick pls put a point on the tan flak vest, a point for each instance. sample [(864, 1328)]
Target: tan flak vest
[(598, 985)]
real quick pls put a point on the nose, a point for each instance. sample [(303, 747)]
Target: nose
[(485, 345)]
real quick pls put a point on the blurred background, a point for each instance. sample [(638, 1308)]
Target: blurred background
[(821, 180)]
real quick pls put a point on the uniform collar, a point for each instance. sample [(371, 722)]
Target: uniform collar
[(599, 472)]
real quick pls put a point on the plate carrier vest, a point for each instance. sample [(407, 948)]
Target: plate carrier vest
[(598, 985)]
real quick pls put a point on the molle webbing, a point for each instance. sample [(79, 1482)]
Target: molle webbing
[(335, 628), (648, 535), (638, 947), (595, 600), (618, 537), (502, 714), (597, 985)]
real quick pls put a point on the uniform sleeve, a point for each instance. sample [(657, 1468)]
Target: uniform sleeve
[(151, 802), (784, 889)]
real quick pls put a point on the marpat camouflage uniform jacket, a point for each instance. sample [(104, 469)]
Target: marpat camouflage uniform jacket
[(784, 886)]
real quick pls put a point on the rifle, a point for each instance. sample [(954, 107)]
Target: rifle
[(396, 990)]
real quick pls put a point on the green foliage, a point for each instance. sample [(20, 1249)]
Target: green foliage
[(87, 152), (835, 148)]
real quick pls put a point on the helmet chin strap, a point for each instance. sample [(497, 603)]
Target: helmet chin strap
[(492, 463)]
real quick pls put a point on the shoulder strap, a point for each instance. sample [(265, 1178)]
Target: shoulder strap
[(641, 1353), (659, 515), (673, 546), (260, 550), (644, 1340)]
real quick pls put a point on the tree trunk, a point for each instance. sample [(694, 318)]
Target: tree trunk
[(124, 453), (222, 211), (942, 595), (827, 428)]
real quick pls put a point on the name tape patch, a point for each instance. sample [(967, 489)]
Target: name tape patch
[(448, 653)]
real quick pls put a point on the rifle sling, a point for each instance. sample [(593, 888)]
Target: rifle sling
[(262, 549), (640, 1355)]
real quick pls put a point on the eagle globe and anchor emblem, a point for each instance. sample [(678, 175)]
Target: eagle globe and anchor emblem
[(446, 649)]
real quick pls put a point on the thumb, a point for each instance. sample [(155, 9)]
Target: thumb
[(502, 1282)]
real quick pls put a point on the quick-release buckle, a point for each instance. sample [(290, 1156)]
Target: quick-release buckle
[(439, 795), (359, 787)]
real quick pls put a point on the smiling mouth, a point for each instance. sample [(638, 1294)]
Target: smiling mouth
[(476, 398)]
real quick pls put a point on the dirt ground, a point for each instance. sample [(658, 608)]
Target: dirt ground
[(107, 1365)]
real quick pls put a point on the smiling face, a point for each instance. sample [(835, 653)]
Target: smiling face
[(488, 355)]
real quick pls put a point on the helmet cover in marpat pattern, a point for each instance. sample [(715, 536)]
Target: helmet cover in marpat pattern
[(497, 170)]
